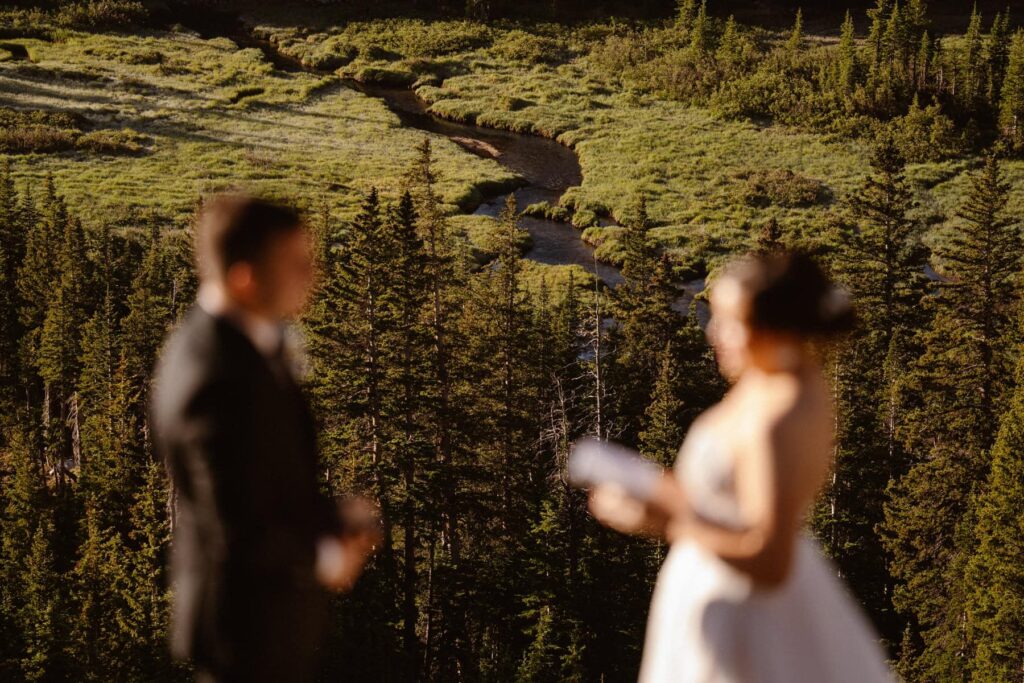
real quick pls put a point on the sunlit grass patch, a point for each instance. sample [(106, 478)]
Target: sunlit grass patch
[(689, 163), (211, 116)]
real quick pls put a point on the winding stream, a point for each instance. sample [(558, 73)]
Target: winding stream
[(547, 167)]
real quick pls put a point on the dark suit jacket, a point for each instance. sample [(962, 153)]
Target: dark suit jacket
[(240, 447)]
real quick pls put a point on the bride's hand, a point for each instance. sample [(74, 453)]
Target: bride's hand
[(613, 507)]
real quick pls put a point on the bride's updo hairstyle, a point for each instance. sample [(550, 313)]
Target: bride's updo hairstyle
[(789, 292)]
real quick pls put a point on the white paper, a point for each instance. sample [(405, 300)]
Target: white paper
[(592, 462)]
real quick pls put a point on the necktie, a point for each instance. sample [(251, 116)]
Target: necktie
[(278, 358)]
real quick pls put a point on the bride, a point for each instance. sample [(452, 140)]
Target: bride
[(745, 595)]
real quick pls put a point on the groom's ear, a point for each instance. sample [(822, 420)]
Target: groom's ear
[(237, 228)]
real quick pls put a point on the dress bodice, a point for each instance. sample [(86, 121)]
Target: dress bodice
[(710, 624), (706, 469)]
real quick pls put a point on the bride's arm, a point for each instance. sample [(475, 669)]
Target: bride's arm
[(615, 508)]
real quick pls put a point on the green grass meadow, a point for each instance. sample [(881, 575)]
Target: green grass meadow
[(207, 115)]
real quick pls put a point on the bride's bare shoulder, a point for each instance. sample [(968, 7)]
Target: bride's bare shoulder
[(709, 417), (801, 431)]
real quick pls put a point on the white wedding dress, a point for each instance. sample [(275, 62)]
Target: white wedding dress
[(708, 624)]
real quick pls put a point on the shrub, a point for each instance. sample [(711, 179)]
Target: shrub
[(10, 118), (680, 75), (101, 14), (125, 141), (619, 54), (35, 138), (24, 132), (376, 53), (24, 23), (782, 187), (432, 39), (141, 57), (925, 134), (526, 47), (37, 131)]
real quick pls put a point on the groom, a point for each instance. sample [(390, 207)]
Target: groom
[(254, 542)]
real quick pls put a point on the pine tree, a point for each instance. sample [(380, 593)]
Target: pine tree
[(685, 10), (148, 316), (100, 354), (700, 31), (353, 343), (663, 430), (11, 255), (881, 260), (500, 359), (146, 594), (986, 255), (940, 66), (26, 508), (995, 576), (118, 629), (961, 380), (96, 638), (58, 356), (847, 57), (40, 268), (639, 252), (446, 275), (1011, 108), (40, 620), (113, 452), (917, 17), (730, 51), (876, 35), (356, 328), (553, 601), (971, 72), (411, 346), (923, 62), (796, 34), (998, 53), (645, 321), (894, 40), (883, 257)]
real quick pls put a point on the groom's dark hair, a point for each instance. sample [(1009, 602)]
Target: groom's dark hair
[(237, 227)]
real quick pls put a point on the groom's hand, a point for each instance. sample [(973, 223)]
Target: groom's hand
[(341, 559)]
